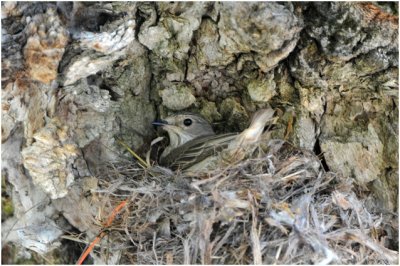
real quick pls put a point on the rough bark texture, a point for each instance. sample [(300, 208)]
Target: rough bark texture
[(76, 76)]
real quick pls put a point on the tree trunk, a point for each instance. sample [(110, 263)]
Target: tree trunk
[(78, 76)]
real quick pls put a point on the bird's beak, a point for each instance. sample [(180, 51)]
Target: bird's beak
[(159, 123)]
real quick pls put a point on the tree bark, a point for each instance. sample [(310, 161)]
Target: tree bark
[(77, 76)]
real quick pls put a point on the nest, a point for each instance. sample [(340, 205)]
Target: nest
[(277, 207)]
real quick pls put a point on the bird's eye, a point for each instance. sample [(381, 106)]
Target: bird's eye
[(187, 122)]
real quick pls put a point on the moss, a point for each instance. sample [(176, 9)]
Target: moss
[(177, 97), (234, 114), (7, 207), (262, 90), (209, 111)]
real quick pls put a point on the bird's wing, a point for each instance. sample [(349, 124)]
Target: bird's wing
[(196, 150)]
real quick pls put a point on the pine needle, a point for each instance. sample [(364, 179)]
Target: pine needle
[(142, 163)]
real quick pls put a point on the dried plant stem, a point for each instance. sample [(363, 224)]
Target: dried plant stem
[(102, 233), (142, 163)]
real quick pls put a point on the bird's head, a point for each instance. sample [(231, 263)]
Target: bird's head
[(183, 127)]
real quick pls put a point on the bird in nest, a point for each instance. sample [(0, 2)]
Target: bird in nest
[(194, 146)]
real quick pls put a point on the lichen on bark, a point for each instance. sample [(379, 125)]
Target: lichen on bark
[(77, 77)]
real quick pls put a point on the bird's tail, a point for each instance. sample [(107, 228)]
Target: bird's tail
[(261, 118), (244, 142), (253, 133)]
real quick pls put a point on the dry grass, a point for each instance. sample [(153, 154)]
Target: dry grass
[(278, 207)]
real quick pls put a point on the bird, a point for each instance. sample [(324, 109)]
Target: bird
[(183, 127), (194, 146)]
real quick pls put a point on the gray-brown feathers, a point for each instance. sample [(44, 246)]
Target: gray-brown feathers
[(196, 150), (184, 127), (195, 147)]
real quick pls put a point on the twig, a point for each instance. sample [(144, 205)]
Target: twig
[(154, 247), (142, 163), (102, 233), (254, 233)]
